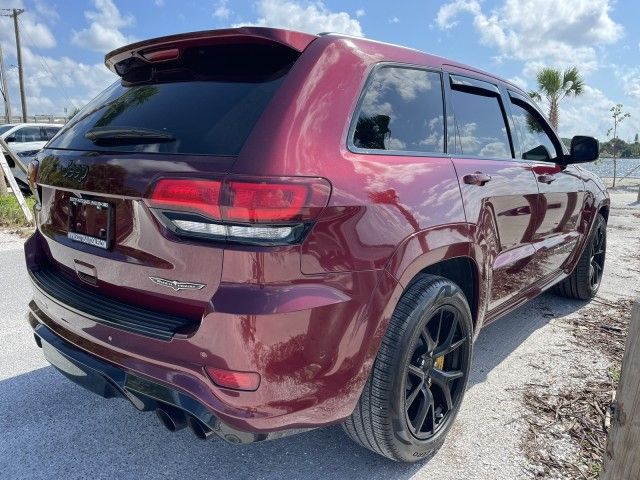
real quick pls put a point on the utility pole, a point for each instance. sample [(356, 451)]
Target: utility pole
[(5, 89), (14, 14), (23, 99)]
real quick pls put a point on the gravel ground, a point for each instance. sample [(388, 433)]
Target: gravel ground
[(50, 428)]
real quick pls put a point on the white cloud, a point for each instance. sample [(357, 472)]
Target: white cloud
[(46, 11), (558, 33), (103, 33), (446, 17), (53, 84), (630, 80), (589, 114), (34, 32), (520, 82), (309, 17), (360, 13), (159, 3), (394, 20), (221, 10)]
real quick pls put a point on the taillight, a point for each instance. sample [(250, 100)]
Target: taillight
[(243, 209), (264, 202), (194, 195), (232, 379)]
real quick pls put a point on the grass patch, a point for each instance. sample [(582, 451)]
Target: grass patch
[(10, 212)]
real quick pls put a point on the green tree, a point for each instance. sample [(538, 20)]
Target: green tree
[(73, 113), (618, 117), (554, 85), (635, 140)]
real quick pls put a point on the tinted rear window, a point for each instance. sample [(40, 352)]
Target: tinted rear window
[(204, 110)]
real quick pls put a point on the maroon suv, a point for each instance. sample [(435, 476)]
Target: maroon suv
[(256, 232)]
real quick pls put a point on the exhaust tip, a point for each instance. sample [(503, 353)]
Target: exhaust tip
[(172, 418), (199, 429)]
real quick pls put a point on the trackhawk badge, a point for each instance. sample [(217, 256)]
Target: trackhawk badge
[(177, 285)]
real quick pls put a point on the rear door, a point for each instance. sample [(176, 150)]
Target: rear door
[(561, 188), (499, 192)]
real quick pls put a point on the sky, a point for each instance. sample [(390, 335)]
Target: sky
[(64, 42)]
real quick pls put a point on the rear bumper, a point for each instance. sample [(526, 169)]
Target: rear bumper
[(110, 381), (312, 343)]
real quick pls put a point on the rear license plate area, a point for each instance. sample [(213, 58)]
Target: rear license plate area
[(90, 222)]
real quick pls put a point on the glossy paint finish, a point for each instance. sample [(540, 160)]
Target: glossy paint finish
[(308, 318), (504, 212)]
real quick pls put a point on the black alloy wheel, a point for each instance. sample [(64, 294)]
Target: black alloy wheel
[(583, 283), (435, 379), (419, 377), (598, 252)]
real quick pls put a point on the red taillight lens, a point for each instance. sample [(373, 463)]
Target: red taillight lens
[(245, 200), (200, 196), (236, 380), (264, 202)]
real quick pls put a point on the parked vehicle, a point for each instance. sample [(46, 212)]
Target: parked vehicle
[(256, 232), (25, 139)]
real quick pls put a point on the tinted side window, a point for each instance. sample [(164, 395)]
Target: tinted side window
[(402, 110), (534, 141), (480, 125), (28, 134), (50, 132)]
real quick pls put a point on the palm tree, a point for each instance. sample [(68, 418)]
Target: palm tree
[(554, 85)]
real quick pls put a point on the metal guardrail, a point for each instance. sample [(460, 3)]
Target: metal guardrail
[(35, 119)]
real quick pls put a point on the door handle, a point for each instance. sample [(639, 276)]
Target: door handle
[(546, 178), (477, 178)]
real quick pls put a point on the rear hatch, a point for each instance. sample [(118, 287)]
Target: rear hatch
[(183, 108)]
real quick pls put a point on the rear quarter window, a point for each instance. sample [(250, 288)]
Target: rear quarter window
[(401, 110)]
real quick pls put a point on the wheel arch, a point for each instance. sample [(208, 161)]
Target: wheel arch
[(454, 262), (462, 271)]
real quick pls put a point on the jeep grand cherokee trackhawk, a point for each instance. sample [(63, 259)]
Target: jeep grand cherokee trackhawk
[(255, 232)]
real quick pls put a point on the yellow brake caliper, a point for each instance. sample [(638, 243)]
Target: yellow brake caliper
[(439, 362)]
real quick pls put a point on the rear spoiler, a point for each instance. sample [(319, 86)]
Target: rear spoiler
[(167, 48)]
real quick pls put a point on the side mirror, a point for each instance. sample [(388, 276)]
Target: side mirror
[(583, 150), (10, 139)]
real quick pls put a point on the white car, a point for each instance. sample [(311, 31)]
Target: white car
[(25, 139)]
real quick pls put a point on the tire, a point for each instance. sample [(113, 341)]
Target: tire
[(390, 417), (584, 281)]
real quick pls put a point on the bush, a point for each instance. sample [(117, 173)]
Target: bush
[(10, 212)]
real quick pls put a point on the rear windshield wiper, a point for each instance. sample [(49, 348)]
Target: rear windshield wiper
[(124, 135)]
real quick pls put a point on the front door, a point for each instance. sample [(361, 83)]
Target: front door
[(561, 188)]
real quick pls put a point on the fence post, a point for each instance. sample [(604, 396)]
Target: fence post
[(622, 458), (12, 181)]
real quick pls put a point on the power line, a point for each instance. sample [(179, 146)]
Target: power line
[(45, 65)]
